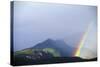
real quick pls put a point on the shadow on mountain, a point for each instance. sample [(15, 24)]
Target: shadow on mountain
[(43, 56), (49, 51), (58, 45), (23, 61)]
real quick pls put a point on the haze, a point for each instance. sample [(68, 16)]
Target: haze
[(36, 22)]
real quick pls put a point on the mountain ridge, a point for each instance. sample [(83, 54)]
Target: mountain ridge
[(58, 45)]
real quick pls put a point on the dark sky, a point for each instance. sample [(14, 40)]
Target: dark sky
[(36, 22)]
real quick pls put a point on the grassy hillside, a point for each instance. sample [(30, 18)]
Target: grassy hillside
[(30, 51)]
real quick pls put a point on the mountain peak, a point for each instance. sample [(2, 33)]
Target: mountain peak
[(49, 40), (58, 45)]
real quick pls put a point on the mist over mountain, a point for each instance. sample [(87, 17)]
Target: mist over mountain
[(58, 45), (73, 39)]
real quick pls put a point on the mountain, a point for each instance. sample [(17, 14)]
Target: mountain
[(48, 51), (59, 45)]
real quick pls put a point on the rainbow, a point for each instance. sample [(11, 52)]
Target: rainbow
[(82, 41)]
